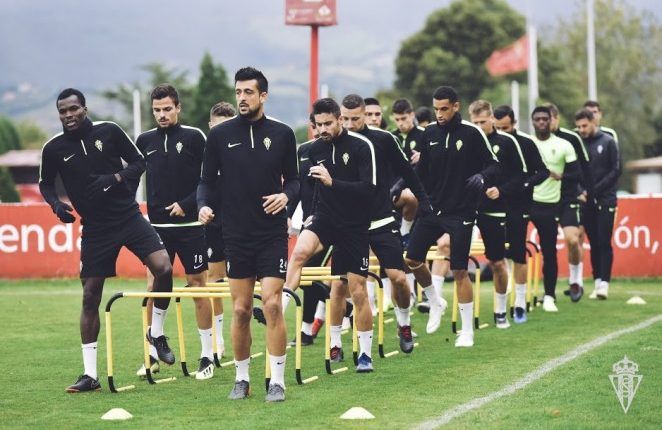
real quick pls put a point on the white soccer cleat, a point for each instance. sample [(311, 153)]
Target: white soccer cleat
[(602, 292), (206, 369), (594, 294), (502, 321), (434, 320), (465, 340), (548, 304)]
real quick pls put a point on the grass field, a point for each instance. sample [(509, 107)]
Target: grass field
[(40, 353)]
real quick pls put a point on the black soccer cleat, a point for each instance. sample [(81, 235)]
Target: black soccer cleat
[(162, 349), (576, 292), (306, 340), (258, 314), (406, 339), (84, 383)]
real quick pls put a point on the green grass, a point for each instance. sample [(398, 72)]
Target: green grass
[(40, 353)]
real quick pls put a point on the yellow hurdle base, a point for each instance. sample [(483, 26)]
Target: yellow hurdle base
[(342, 369), (311, 379)]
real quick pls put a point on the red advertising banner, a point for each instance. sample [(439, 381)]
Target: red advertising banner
[(310, 12), (511, 59), (34, 244)]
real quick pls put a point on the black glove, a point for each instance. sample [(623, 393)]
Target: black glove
[(61, 209), (99, 185), (476, 182), (396, 190)]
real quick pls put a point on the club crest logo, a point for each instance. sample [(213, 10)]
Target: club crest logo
[(179, 147), (625, 381), (99, 145), (553, 152), (267, 143), (495, 148), (458, 144), (600, 149), (412, 144), (345, 158)]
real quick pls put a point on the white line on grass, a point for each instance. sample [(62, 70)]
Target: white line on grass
[(531, 377)]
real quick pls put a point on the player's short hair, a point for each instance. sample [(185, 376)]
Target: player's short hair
[(553, 109), (68, 92), (445, 92), (162, 91), (593, 104), (311, 119), (423, 113), (543, 109), (479, 106), (504, 110), (371, 101), (353, 101), (326, 105), (250, 73), (584, 113), (223, 109), (402, 106)]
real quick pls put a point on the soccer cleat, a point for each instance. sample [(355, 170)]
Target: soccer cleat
[(465, 340), (434, 320), (84, 383), (241, 390), (258, 314), (566, 292), (306, 340), (337, 355), (162, 349), (275, 393), (365, 364), (206, 369), (594, 294), (548, 304), (406, 340), (501, 321), (576, 292), (423, 307), (317, 325), (602, 292), (154, 367), (520, 316)]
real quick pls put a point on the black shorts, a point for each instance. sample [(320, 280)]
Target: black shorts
[(99, 249), (320, 259), (215, 243), (516, 225), (431, 227), (387, 247), (351, 248), (188, 243), (265, 258), (493, 231), (570, 214)]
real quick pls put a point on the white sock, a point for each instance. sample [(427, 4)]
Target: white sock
[(431, 294), (320, 312), (205, 343), (500, 302), (438, 282), (371, 294), (285, 301), (411, 280), (405, 226), (402, 315), (152, 348), (307, 328), (573, 273), (346, 324), (335, 336), (580, 274), (365, 342), (277, 369), (90, 359), (520, 296), (387, 290), (158, 318), (219, 330), (604, 285), (467, 315), (597, 282), (241, 368)]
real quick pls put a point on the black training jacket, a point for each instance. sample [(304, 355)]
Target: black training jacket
[(174, 160), (350, 160), (571, 188), (513, 172), (410, 141), (450, 154), (391, 164), (78, 157), (604, 162), (307, 184), (536, 171), (254, 159)]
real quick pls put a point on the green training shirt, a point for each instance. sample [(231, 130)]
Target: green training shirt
[(555, 153)]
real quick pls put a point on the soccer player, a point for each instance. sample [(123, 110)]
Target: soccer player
[(373, 112), (383, 234), (424, 116), (573, 195), (344, 164), (518, 207), (173, 154), (492, 209), (88, 157), (220, 112), (561, 160), (595, 109), (601, 206), (256, 158), (455, 166)]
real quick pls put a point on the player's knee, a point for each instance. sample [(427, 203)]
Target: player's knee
[(162, 268), (91, 301), (460, 275), (299, 256), (413, 264), (498, 266), (242, 314), (272, 307)]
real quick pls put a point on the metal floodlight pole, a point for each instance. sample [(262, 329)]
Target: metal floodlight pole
[(590, 51), (314, 63), (137, 129), (514, 96)]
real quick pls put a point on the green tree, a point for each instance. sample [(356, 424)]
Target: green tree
[(213, 87), (452, 49), (8, 193), (9, 138), (31, 135)]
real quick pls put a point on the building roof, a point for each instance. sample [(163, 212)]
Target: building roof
[(21, 158)]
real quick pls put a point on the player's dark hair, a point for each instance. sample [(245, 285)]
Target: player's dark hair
[(66, 93), (250, 73), (371, 101), (543, 109), (224, 109), (326, 105), (444, 92), (401, 106), (165, 90), (353, 101), (584, 113), (504, 110)]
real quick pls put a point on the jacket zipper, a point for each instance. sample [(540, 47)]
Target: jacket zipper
[(333, 154), (83, 145), (448, 136), (165, 143), (252, 142)]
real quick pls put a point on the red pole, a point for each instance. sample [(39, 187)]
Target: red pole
[(314, 63)]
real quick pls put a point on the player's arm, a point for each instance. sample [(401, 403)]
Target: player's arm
[(610, 179), (189, 203), (367, 180), (47, 174), (206, 191), (131, 155), (514, 169), (401, 166), (536, 165), (291, 185), (491, 171), (294, 201)]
